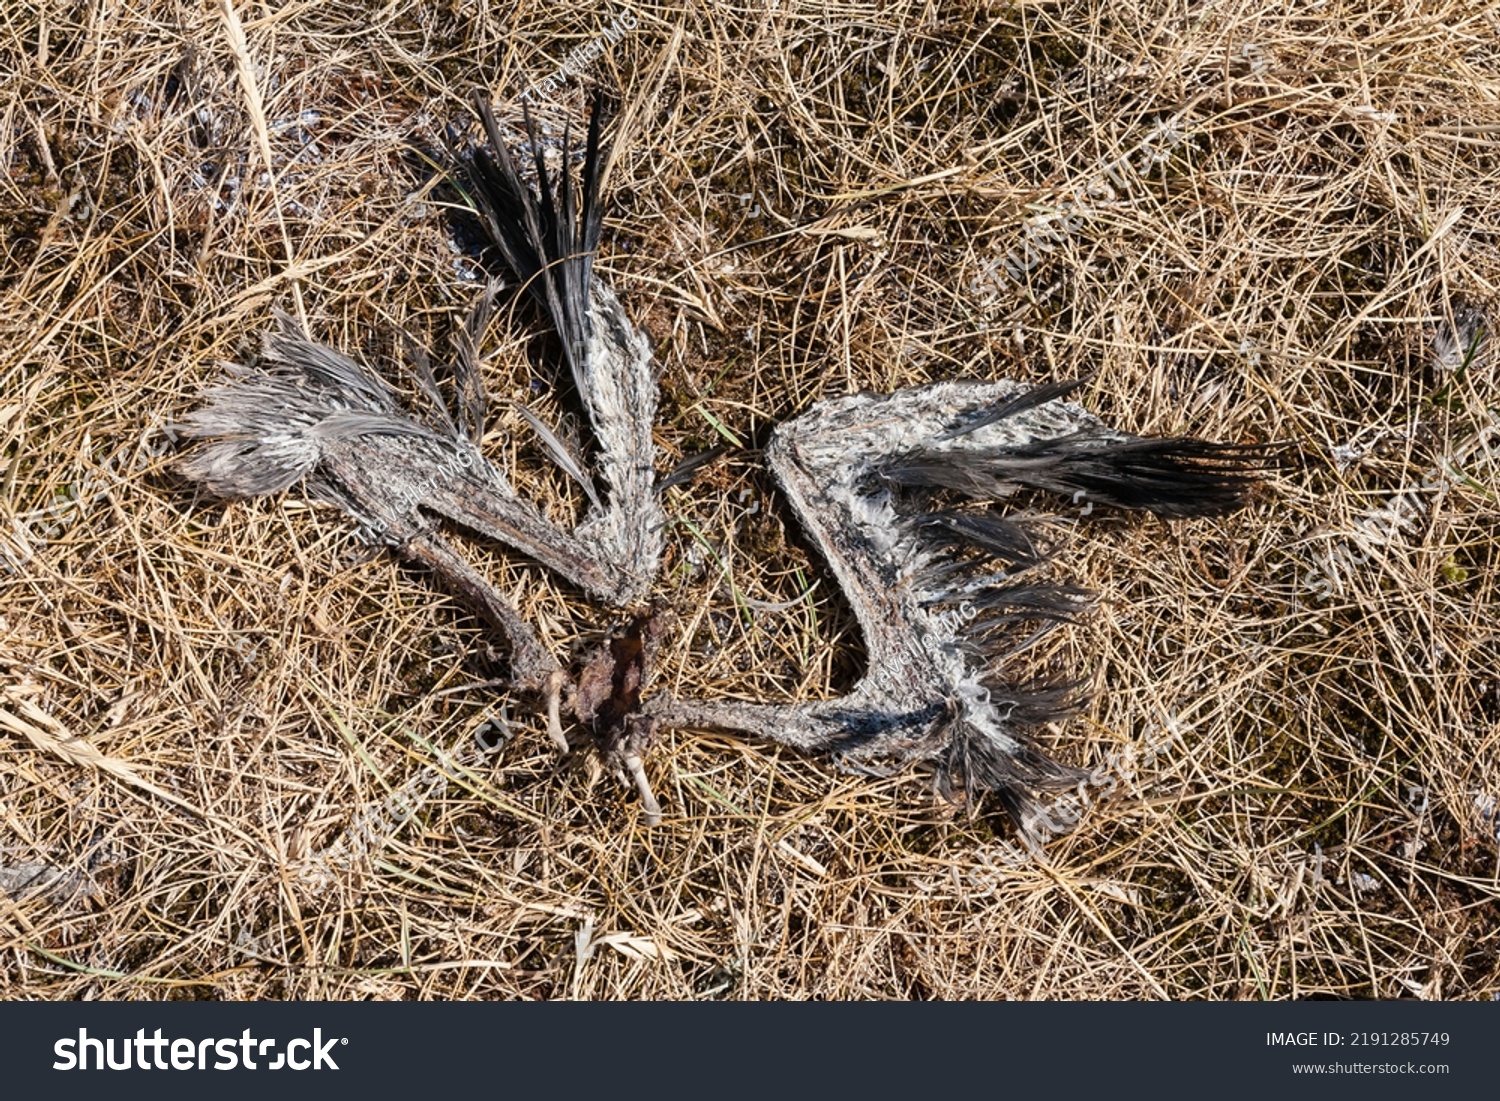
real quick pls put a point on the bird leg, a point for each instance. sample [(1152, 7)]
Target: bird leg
[(532, 667)]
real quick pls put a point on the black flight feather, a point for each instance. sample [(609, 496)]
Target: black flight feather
[(1173, 478), (1030, 399), (995, 535)]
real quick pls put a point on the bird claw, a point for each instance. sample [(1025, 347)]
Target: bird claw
[(650, 808), (552, 693)]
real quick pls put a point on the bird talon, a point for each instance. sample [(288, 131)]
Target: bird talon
[(650, 808), (553, 694)]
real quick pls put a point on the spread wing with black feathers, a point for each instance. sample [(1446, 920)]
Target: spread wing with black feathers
[(940, 586)]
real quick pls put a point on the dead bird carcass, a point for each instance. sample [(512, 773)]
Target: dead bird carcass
[(897, 492)]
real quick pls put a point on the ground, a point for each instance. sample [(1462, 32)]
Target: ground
[(243, 756)]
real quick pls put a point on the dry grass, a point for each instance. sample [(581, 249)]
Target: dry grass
[(273, 788)]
